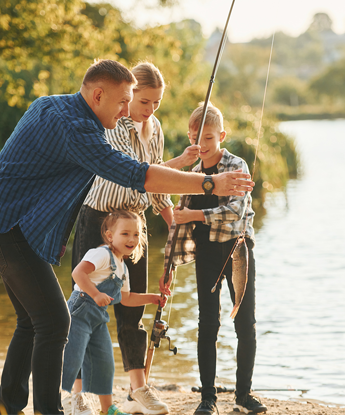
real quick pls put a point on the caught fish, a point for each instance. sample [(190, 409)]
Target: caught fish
[(239, 273)]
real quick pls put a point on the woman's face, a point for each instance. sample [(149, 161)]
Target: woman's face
[(145, 103)]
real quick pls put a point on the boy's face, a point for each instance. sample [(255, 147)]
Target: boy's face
[(210, 140)]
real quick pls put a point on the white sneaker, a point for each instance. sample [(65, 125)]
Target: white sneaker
[(80, 405), (66, 400), (145, 401)]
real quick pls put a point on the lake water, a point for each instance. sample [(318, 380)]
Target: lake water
[(300, 257)]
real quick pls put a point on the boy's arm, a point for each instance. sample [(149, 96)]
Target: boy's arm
[(80, 275), (130, 299)]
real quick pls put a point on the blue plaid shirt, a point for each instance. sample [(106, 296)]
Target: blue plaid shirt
[(48, 165)]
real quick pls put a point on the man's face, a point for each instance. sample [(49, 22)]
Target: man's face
[(114, 103)]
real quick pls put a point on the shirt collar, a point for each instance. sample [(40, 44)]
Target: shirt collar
[(80, 99), (130, 124)]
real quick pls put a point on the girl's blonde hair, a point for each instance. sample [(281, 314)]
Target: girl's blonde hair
[(111, 220), (147, 76)]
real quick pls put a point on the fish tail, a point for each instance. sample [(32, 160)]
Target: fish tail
[(234, 311)]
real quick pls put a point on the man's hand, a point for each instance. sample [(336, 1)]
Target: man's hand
[(234, 183)]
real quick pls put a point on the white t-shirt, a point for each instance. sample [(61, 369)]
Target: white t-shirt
[(100, 258)]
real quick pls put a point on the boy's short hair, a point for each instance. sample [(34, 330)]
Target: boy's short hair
[(109, 71), (213, 117)]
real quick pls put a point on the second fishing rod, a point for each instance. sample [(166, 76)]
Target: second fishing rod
[(160, 327)]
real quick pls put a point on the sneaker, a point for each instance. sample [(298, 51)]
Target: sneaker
[(249, 404), (66, 400), (145, 401), (206, 407), (80, 405), (113, 410)]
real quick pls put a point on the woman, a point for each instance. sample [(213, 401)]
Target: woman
[(141, 137)]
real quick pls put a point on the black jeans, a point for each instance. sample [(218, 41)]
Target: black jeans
[(210, 259), (42, 327), (131, 334)]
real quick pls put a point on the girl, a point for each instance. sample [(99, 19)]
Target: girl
[(102, 279), (141, 137)]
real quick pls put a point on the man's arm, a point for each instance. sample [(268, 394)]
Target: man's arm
[(160, 179)]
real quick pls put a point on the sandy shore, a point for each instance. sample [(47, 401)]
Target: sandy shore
[(181, 401)]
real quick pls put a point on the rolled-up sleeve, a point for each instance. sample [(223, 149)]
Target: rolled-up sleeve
[(88, 148)]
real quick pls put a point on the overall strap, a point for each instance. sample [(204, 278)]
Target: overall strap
[(112, 262)]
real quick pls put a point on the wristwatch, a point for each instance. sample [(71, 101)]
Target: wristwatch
[(208, 185)]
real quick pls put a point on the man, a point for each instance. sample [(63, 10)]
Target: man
[(46, 169)]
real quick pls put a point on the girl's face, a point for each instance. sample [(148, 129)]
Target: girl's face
[(124, 236), (145, 103)]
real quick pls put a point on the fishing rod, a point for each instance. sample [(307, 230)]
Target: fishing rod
[(160, 327), (223, 389)]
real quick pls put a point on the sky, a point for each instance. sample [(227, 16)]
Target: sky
[(250, 18)]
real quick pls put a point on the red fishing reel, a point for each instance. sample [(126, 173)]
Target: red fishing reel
[(160, 327)]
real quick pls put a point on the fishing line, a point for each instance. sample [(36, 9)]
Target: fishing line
[(172, 294), (254, 163)]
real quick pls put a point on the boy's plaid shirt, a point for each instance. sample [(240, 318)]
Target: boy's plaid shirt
[(226, 221)]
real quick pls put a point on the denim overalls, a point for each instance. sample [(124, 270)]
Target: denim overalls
[(89, 344)]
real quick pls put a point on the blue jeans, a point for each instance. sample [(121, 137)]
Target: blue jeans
[(210, 259), (131, 334), (89, 346), (42, 328)]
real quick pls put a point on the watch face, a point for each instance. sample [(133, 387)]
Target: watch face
[(208, 185)]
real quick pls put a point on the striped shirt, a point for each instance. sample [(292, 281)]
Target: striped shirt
[(48, 165), (106, 196), (226, 221)]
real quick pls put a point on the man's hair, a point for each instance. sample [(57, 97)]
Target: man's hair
[(213, 118), (108, 70), (148, 76)]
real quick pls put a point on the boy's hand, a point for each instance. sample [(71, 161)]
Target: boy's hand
[(187, 215), (232, 183), (102, 299), (165, 288), (190, 155)]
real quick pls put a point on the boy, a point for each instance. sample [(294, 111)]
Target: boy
[(209, 228)]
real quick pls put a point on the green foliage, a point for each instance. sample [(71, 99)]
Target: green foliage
[(289, 91), (331, 82)]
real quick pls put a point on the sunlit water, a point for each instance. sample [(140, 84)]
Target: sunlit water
[(300, 257)]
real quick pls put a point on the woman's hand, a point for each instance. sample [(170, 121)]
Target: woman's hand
[(190, 155)]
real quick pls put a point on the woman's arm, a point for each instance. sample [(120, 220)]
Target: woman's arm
[(187, 158)]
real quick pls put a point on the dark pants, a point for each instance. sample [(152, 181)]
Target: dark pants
[(130, 330), (42, 328), (210, 259)]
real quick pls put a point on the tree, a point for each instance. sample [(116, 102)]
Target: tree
[(321, 23), (331, 82)]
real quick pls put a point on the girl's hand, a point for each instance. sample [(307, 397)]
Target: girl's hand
[(158, 299), (190, 155), (102, 299), (184, 216)]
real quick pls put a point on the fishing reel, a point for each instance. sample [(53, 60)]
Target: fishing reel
[(160, 327)]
